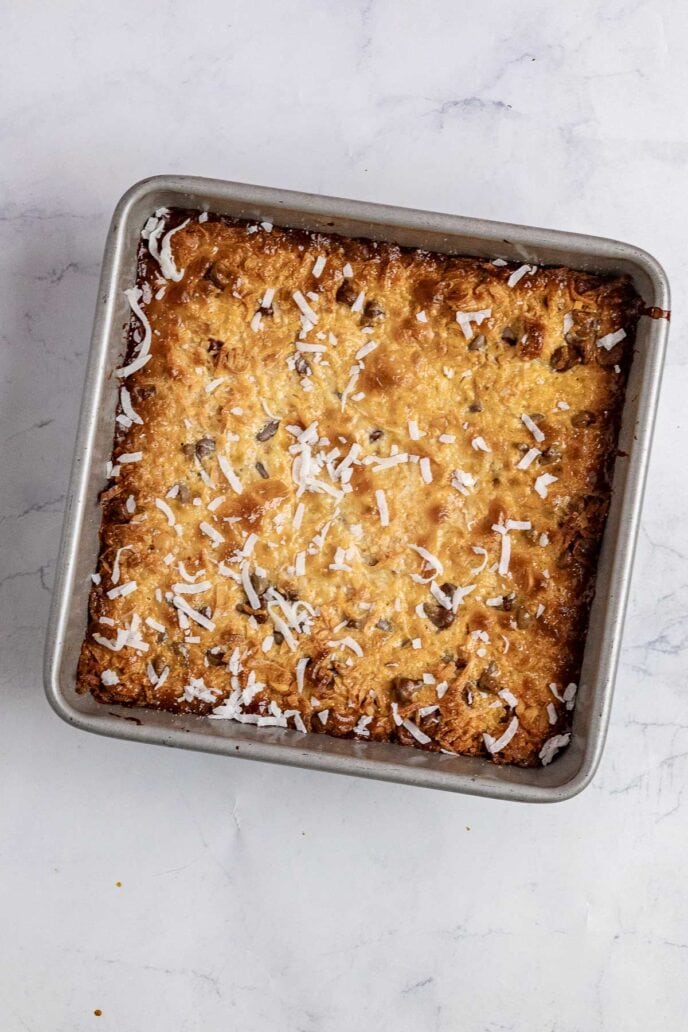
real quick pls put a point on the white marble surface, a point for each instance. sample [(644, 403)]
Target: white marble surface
[(260, 898)]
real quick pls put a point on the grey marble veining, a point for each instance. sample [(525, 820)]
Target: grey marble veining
[(261, 898)]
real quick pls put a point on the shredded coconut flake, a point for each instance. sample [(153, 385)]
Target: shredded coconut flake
[(190, 578), (164, 508), (265, 304), (462, 481), (366, 349), (300, 671), (247, 585), (133, 296), (347, 462), (479, 569), (230, 475), (431, 560), (115, 565), (479, 444), (552, 747), (466, 320), (518, 525), (611, 339), (416, 732), (125, 402), (185, 588), (165, 258), (386, 462), (533, 427), (197, 617), (298, 720), (155, 625), (362, 726), (543, 482), (518, 274), (529, 457), (383, 511), (505, 554), (197, 689), (508, 697), (495, 745), (444, 600), (210, 531), (354, 374), (570, 693), (304, 307), (346, 642), (459, 595), (310, 349), (114, 645)]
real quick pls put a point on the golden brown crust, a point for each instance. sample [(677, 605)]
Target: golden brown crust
[(227, 390)]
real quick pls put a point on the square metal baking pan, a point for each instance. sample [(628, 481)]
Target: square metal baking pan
[(574, 768)]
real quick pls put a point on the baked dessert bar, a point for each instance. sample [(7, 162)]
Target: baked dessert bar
[(356, 489)]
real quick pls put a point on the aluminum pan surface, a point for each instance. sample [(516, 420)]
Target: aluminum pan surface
[(445, 233)]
